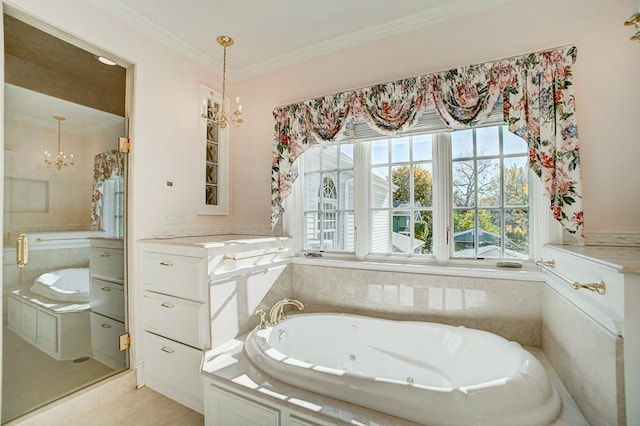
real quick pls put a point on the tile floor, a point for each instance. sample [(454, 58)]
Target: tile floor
[(139, 407), (31, 378)]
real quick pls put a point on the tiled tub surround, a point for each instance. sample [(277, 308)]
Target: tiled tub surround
[(511, 308), (593, 340), (587, 357)]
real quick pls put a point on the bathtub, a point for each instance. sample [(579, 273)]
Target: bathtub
[(424, 372), (63, 285)]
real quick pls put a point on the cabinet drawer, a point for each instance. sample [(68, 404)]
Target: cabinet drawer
[(105, 334), (175, 318), (107, 299), (175, 275), (107, 263), (173, 368)]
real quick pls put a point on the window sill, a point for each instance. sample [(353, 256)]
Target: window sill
[(528, 272)]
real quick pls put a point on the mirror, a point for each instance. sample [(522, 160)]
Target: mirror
[(65, 309)]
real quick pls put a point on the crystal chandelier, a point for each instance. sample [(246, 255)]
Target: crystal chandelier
[(635, 21), (60, 160), (217, 115)]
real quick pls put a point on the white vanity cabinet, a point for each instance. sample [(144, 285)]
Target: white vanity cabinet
[(178, 311), (106, 268)]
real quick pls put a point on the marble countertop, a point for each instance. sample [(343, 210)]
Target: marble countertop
[(212, 241), (624, 259), (230, 364)]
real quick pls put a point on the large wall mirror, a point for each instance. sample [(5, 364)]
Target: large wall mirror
[(64, 286)]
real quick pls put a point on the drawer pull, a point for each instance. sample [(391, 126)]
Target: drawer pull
[(103, 325), (167, 350), (167, 305), (166, 263), (105, 255), (105, 289)]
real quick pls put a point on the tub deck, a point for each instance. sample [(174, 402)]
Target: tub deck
[(229, 365)]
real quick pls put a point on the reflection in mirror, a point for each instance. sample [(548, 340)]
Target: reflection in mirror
[(64, 310)]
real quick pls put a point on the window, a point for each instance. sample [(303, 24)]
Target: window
[(329, 198), (401, 179), (489, 194), (429, 195)]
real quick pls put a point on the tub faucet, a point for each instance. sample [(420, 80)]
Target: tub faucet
[(276, 313)]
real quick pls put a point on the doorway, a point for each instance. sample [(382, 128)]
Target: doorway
[(64, 279)]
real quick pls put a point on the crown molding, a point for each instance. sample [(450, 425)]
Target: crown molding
[(139, 21), (449, 10)]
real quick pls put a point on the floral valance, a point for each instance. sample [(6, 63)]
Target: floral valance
[(538, 105)]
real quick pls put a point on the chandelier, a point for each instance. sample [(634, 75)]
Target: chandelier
[(635, 21), (60, 160), (217, 115)]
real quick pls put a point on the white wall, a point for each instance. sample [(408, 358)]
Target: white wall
[(606, 89)]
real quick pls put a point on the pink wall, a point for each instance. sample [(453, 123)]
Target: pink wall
[(605, 76)]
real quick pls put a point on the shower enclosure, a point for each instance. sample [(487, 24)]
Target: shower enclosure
[(64, 280)]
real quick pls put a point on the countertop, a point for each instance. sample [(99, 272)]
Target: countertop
[(623, 259), (218, 241)]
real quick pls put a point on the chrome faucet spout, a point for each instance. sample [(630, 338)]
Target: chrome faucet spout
[(276, 313)]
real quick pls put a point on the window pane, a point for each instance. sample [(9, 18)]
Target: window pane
[(347, 231), (423, 185), (464, 224), (311, 190), (488, 141), (462, 144), (380, 151), (516, 233), (346, 191), (312, 240), (516, 181), (489, 235), (380, 235), (380, 196), (423, 231), (489, 183), (311, 158), (464, 194), (400, 150), (512, 144), (346, 156), (402, 223), (328, 193), (330, 157), (401, 185), (422, 148)]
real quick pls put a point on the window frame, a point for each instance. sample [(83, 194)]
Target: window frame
[(542, 228)]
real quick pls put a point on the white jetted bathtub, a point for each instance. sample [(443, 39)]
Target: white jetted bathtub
[(427, 373), (64, 285)]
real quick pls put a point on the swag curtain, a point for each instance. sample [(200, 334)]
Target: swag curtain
[(538, 105)]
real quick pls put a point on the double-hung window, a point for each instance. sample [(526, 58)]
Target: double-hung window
[(426, 195)]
